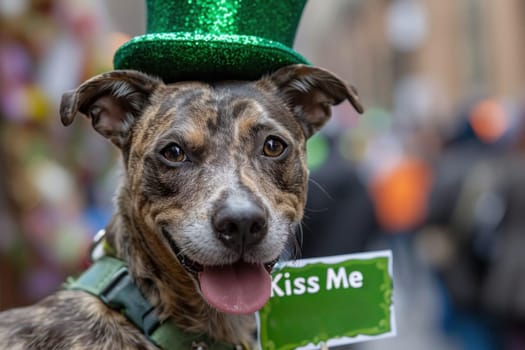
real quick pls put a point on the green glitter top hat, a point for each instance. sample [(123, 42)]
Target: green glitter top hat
[(214, 39)]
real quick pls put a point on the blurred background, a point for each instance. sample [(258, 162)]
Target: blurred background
[(433, 170)]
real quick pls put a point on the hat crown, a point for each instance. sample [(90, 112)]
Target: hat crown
[(214, 39), (275, 20)]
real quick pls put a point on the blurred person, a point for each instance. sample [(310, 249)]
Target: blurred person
[(475, 230), (339, 216)]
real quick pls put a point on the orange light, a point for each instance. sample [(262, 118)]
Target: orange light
[(489, 120), (400, 196)]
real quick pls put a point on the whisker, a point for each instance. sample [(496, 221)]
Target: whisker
[(321, 188), (312, 210)]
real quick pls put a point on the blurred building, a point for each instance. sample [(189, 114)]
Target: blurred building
[(419, 57)]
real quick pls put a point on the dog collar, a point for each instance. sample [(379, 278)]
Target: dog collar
[(109, 280)]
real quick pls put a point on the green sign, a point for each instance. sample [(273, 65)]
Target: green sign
[(328, 301)]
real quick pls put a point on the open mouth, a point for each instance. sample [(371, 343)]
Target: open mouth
[(238, 288)]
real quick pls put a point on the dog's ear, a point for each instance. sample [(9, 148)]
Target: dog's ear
[(112, 100), (310, 92)]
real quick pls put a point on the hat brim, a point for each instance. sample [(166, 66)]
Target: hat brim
[(193, 56)]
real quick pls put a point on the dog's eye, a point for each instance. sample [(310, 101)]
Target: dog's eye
[(273, 147), (173, 153)]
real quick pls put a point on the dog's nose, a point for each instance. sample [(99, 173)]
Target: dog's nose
[(240, 224)]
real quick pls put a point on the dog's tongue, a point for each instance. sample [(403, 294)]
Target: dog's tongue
[(240, 288)]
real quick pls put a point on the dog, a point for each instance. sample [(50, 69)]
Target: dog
[(213, 190)]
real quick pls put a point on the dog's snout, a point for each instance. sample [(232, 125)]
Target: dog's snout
[(240, 224)]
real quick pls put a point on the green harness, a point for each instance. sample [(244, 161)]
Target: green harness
[(109, 280)]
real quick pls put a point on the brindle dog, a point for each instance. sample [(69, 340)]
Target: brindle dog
[(214, 187)]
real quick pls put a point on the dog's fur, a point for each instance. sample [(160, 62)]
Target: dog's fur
[(167, 197)]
